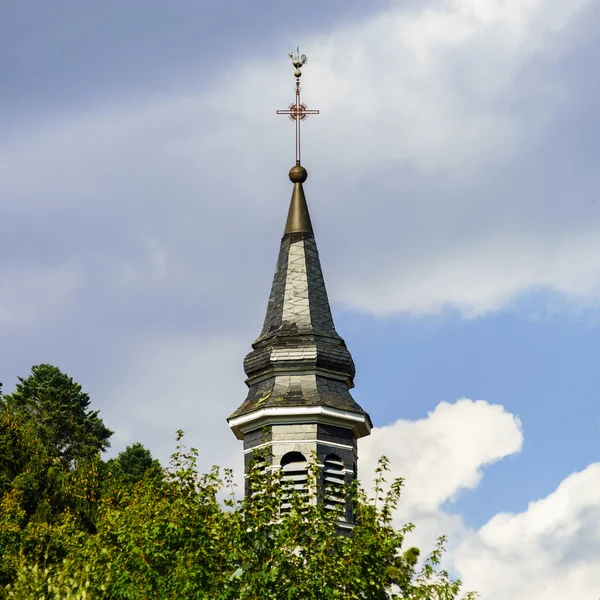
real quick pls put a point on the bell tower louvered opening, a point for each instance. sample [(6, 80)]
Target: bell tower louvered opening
[(333, 483), (294, 478)]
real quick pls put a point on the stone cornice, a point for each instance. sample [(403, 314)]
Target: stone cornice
[(359, 423)]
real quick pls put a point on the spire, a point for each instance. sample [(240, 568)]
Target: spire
[(299, 362), (298, 303), (300, 372)]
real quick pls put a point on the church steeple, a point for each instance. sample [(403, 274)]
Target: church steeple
[(300, 372), (299, 359)]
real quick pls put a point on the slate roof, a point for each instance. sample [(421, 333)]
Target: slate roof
[(299, 359)]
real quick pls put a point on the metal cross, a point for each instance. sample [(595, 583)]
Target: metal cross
[(298, 111)]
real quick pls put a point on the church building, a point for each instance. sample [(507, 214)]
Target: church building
[(300, 372)]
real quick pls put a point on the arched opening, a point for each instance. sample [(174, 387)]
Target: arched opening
[(333, 480), (294, 478)]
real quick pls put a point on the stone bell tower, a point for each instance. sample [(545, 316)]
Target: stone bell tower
[(300, 371)]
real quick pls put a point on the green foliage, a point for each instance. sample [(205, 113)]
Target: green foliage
[(24, 462), (49, 474), (132, 463), (47, 434), (75, 527), (173, 537), (56, 408), (52, 583), (12, 517), (38, 540)]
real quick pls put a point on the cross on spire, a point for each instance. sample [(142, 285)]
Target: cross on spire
[(298, 111)]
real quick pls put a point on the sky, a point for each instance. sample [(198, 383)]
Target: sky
[(454, 191)]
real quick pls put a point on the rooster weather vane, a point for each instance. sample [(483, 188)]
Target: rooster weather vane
[(298, 61), (298, 111)]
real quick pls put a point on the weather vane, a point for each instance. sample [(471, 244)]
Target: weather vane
[(298, 111)]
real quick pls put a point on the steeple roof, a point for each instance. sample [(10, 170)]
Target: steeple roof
[(299, 360), (299, 366)]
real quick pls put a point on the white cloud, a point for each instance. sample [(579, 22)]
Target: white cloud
[(444, 453), (551, 551), (436, 91), (486, 277), (440, 456), (437, 87)]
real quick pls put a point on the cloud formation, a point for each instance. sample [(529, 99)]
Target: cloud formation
[(550, 551), (444, 452), (428, 115), (439, 457)]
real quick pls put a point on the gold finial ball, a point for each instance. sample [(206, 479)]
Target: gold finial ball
[(298, 174)]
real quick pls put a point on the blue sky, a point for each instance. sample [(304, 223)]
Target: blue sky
[(543, 371), (454, 189)]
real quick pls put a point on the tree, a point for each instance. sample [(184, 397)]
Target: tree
[(25, 465), (132, 463), (57, 409), (50, 444), (172, 537)]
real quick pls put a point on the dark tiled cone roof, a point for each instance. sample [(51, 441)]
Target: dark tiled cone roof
[(299, 359)]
